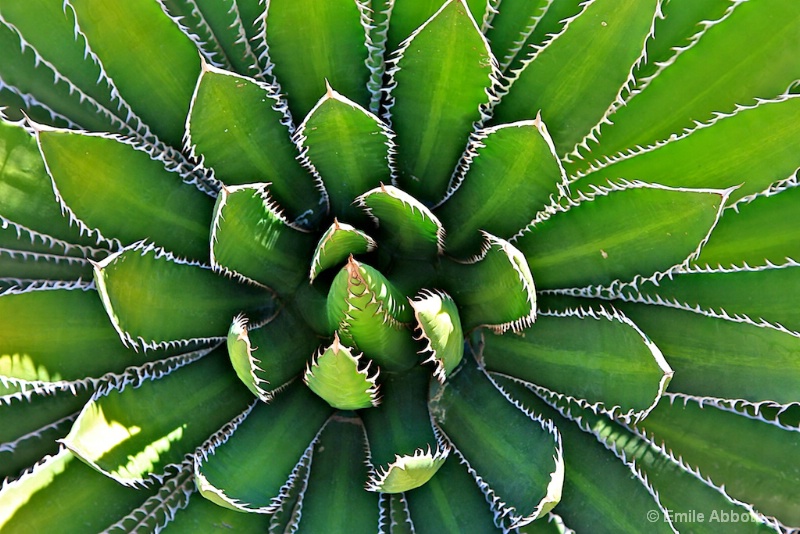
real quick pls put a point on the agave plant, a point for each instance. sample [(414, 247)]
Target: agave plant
[(413, 266)]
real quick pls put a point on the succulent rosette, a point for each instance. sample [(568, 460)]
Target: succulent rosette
[(399, 266)]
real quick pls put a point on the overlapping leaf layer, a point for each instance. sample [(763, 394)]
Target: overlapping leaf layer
[(400, 266)]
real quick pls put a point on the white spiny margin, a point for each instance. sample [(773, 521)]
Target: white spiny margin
[(383, 310), (526, 32), (8, 483), (476, 143), (269, 204), (773, 189), (641, 84), (241, 39), (59, 78), (616, 451), (299, 137), (564, 204), (302, 475), (134, 377), (630, 292), (34, 257), (316, 262), (511, 77), (375, 40), (491, 10), (263, 394), (630, 153), (297, 514), (143, 248), (525, 278), (32, 102), (207, 44), (378, 475), (558, 521), (506, 516), (439, 371), (58, 246), (11, 446), (407, 200), (626, 89), (615, 315), (357, 360), (661, 450), (160, 509), (742, 407), (220, 437), (173, 159), (267, 66)]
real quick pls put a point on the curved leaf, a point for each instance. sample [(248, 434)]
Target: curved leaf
[(440, 327), (339, 53), (617, 233), (251, 240), (156, 75), (142, 285), (431, 119), (338, 242), (349, 147), (238, 127), (252, 465), (597, 356), (495, 289), (511, 174), (97, 177), (128, 435), (514, 455), (574, 77)]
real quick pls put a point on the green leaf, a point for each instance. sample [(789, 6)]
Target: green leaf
[(750, 295), (494, 289), (371, 315), (513, 454), (598, 356), (153, 298), (719, 358), (201, 513), (739, 59), (335, 500), (34, 502), (97, 177), (266, 357), (338, 55), (753, 460), (50, 30), (238, 127), (431, 118), (575, 76), (440, 327), (252, 466), (341, 378), (349, 147), (618, 232), (26, 192), (252, 241), (512, 172), (128, 435), (597, 482), (410, 229), (20, 265), (757, 232), (155, 75), (32, 424), (691, 503), (404, 450), (60, 333), (338, 242), (512, 25), (751, 149), (450, 502)]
